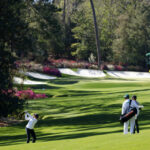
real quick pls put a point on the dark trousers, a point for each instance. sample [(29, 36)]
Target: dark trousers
[(136, 127), (30, 132)]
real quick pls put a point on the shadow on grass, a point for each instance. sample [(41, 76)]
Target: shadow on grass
[(36, 79), (131, 91), (81, 126), (47, 137), (20, 139), (108, 118), (63, 82), (59, 81), (79, 93), (12, 140), (43, 87), (102, 119)]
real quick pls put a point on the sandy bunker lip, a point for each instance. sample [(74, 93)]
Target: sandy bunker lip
[(18, 80), (82, 73), (129, 74), (38, 75), (99, 73)]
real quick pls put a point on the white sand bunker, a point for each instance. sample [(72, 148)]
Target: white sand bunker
[(98, 73), (18, 80), (39, 75), (129, 74), (83, 72)]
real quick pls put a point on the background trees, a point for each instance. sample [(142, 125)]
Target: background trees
[(12, 37), (132, 35), (65, 29), (123, 27), (37, 29), (44, 29), (12, 25)]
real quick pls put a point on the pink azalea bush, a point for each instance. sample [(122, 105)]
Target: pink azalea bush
[(50, 66), (119, 68), (29, 94), (64, 63), (51, 71)]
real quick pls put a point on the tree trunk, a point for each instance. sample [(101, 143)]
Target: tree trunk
[(64, 23), (64, 12), (96, 34)]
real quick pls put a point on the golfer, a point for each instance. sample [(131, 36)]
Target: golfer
[(134, 97), (126, 107), (30, 126)]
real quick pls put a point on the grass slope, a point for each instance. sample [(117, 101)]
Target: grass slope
[(82, 114)]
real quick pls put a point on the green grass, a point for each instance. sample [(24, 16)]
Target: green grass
[(82, 114)]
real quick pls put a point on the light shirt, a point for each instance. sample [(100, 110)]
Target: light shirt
[(32, 121), (140, 107), (125, 106)]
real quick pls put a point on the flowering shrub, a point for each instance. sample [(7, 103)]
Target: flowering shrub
[(29, 65), (29, 94), (64, 63), (52, 71), (119, 68), (50, 66), (10, 104)]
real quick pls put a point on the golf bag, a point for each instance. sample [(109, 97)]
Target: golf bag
[(129, 115)]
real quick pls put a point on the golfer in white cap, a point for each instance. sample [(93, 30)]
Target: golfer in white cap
[(126, 107)]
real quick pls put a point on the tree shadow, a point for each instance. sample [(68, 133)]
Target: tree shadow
[(63, 81), (20, 139), (12, 140), (79, 93), (43, 86), (93, 119), (131, 91), (80, 126), (47, 137), (103, 115)]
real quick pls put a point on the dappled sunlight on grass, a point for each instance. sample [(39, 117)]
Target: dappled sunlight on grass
[(80, 109)]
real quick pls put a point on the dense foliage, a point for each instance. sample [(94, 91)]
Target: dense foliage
[(65, 29), (9, 103), (43, 29), (12, 29)]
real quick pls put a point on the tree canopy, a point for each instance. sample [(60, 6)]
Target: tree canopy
[(39, 29), (65, 28)]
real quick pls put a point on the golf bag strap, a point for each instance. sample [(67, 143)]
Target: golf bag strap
[(130, 103), (128, 107)]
